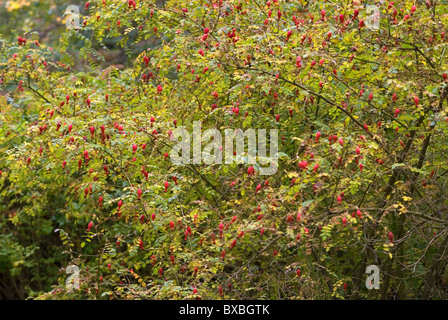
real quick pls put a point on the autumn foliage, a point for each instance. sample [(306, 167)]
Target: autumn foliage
[(86, 177)]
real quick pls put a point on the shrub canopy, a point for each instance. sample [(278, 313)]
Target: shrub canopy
[(362, 151)]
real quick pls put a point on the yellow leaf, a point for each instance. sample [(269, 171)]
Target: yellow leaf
[(13, 5), (292, 174)]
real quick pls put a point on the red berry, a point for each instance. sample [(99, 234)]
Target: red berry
[(391, 236), (416, 101)]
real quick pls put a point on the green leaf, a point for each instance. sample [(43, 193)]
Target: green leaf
[(396, 165), (307, 203)]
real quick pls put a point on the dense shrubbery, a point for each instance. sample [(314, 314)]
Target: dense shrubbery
[(362, 163)]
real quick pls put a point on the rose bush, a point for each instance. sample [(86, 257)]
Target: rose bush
[(361, 115)]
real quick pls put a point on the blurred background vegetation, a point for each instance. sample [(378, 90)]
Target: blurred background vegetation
[(45, 20)]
